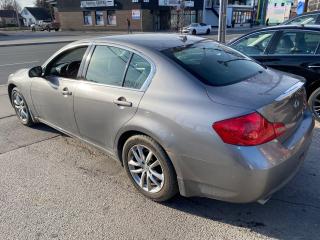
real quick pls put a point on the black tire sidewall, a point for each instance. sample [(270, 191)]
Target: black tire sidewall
[(194, 32), (169, 188), (311, 100)]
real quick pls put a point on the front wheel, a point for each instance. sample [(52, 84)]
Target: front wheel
[(314, 103), (194, 32), (149, 168), (208, 31), (21, 108)]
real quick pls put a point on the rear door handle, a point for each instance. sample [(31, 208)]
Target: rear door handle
[(121, 101), (66, 92), (314, 66)]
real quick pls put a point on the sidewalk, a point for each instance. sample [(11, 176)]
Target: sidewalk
[(6, 109)]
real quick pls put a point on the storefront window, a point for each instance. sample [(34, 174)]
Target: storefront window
[(99, 18), (111, 18), (87, 18), (241, 17)]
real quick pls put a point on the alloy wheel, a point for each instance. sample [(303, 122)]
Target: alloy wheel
[(316, 105), (145, 168), (20, 107)]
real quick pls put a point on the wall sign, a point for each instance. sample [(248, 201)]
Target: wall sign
[(99, 3), (136, 14)]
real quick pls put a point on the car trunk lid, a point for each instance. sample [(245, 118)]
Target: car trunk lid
[(277, 96)]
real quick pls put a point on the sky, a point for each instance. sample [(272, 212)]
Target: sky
[(25, 3)]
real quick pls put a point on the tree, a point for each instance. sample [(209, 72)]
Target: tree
[(42, 3), (10, 5)]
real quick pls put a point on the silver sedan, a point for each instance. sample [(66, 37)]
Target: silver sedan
[(182, 114)]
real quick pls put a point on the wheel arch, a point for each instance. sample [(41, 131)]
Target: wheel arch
[(11, 86)]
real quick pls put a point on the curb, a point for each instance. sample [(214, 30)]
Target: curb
[(35, 43)]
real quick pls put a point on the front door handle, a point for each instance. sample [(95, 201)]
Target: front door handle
[(121, 101), (66, 92)]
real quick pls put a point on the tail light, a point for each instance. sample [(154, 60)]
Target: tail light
[(248, 130)]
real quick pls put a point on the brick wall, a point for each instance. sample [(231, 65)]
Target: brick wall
[(74, 21)]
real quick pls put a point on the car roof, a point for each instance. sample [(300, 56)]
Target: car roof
[(155, 41), (299, 27)]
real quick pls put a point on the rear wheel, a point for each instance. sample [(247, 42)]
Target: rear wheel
[(314, 103), (149, 168), (208, 31), (21, 108)]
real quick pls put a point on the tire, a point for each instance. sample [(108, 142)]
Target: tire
[(57, 29), (194, 32), (208, 31), (314, 103), (159, 166), (21, 107), (33, 29), (48, 29)]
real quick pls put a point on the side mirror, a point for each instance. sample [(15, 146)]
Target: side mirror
[(35, 72)]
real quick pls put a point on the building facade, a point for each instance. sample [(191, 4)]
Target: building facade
[(144, 15), (313, 5)]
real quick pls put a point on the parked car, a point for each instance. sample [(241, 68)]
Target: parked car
[(181, 113), (45, 25), (293, 49), (197, 28), (308, 18)]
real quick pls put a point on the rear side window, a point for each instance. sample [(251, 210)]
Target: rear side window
[(137, 73), (299, 42), (108, 65), (213, 63)]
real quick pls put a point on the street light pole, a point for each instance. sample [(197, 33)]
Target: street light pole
[(222, 21)]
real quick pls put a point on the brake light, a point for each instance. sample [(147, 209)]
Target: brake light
[(248, 130)]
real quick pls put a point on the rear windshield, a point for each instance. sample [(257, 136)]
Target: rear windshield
[(213, 63)]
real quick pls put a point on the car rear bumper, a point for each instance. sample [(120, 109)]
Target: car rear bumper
[(252, 174)]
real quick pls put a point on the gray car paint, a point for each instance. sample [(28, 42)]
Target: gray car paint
[(174, 108)]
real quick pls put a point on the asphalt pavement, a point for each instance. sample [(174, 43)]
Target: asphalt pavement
[(56, 187), (14, 58)]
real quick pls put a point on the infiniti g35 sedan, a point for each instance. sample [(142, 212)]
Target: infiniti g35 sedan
[(181, 114)]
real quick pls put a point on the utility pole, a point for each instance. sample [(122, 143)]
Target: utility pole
[(305, 7), (222, 21), (17, 13)]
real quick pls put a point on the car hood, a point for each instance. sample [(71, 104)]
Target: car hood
[(255, 92)]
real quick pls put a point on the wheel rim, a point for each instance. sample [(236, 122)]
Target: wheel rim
[(316, 105), (20, 107), (145, 169)]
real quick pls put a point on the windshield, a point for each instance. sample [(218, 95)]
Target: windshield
[(193, 25), (213, 63)]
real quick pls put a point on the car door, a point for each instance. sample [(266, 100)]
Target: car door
[(53, 94), (296, 51), (114, 83)]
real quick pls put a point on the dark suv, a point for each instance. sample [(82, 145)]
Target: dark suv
[(289, 48)]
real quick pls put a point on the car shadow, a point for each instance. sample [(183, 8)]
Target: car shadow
[(46, 128), (292, 213)]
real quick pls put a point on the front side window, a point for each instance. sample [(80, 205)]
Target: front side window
[(213, 63), (87, 18), (66, 64), (137, 73), (108, 65), (308, 19), (254, 44), (300, 42), (99, 18)]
